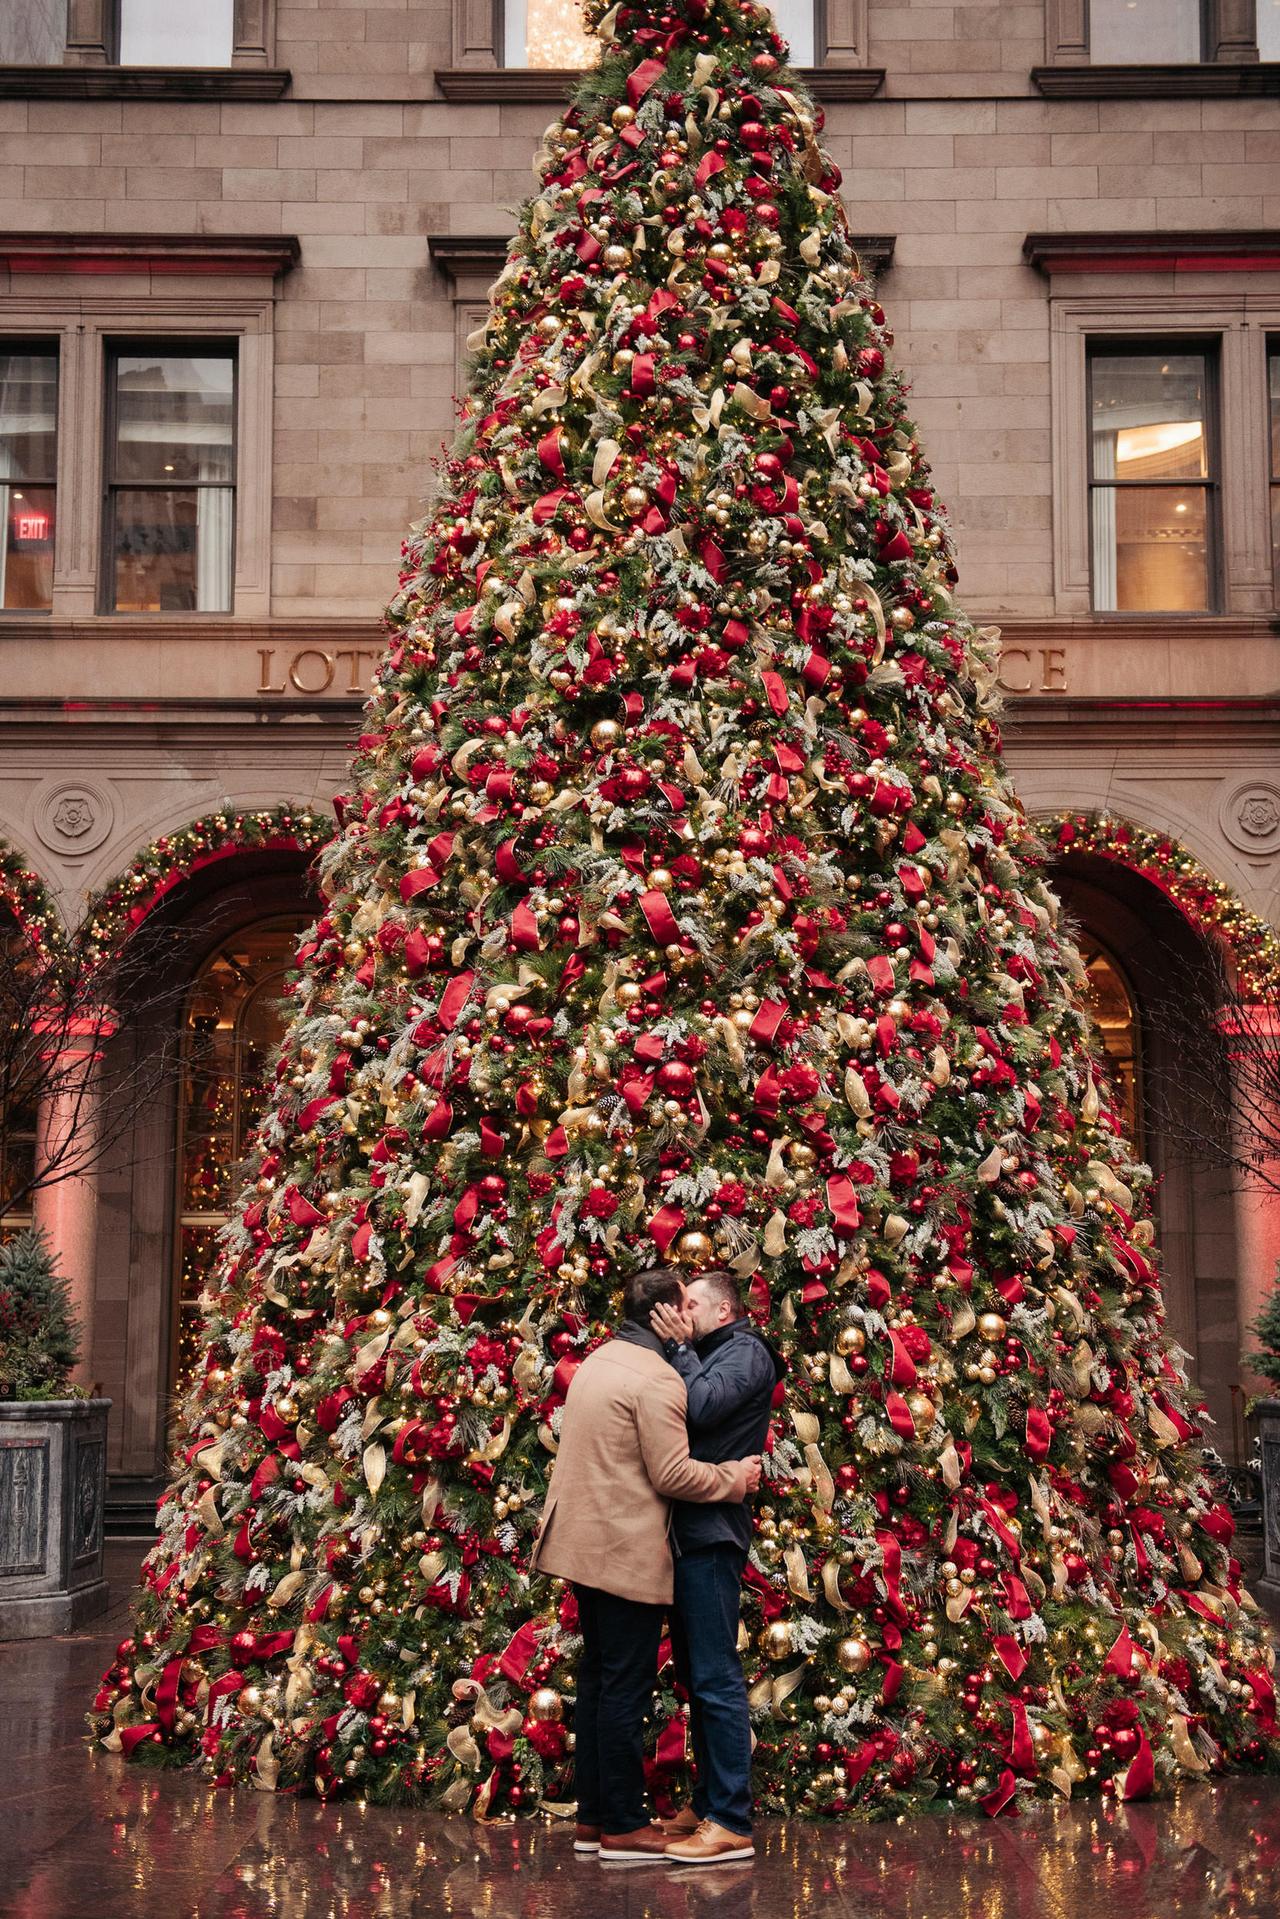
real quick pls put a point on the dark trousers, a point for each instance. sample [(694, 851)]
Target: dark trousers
[(704, 1642), (616, 1676)]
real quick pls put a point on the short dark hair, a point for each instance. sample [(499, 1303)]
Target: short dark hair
[(722, 1285), (655, 1286)]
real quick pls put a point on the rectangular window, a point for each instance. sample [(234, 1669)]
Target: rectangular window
[(156, 33), (550, 33), (169, 525), (1268, 29), (33, 33), (1153, 480), (1137, 32), (28, 472), (1273, 383)]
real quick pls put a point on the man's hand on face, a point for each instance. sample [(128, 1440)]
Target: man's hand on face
[(671, 1322)]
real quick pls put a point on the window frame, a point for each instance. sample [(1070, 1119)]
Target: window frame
[(112, 348), (1102, 345), (83, 325), (93, 36), (1228, 34), (40, 342), (1273, 467), (1240, 317), (840, 36)]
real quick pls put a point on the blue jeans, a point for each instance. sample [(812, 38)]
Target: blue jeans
[(704, 1642)]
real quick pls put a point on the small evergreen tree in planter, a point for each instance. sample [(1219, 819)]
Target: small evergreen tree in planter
[(1266, 1361), (52, 1452), (1266, 1329), (39, 1343)]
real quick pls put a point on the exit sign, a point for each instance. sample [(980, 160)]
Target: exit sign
[(30, 524)]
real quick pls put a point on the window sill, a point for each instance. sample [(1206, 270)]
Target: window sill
[(143, 83), (1204, 81), (538, 86)]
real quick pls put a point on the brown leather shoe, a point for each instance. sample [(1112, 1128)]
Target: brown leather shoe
[(646, 1842), (586, 1838), (680, 1824), (711, 1845)]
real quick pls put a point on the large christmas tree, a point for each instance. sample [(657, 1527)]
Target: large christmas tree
[(682, 910)]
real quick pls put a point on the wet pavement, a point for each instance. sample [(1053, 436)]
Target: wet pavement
[(86, 1836)]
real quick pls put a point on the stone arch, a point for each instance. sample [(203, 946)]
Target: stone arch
[(1250, 944), (26, 897), (116, 910)]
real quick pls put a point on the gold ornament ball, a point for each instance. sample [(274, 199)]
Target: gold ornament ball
[(850, 1339), (853, 1655), (616, 257), (605, 733), (623, 116), (695, 1248), (776, 1640), (992, 1326), (634, 499), (922, 1409), (628, 993), (546, 1704)]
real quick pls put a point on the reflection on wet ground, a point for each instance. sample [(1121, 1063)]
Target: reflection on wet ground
[(84, 1834)]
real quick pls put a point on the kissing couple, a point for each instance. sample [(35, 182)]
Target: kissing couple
[(648, 1520)]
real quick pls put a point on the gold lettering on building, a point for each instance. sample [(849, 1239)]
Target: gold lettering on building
[(1017, 673), (312, 670)]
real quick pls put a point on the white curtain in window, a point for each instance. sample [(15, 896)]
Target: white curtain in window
[(1102, 510), (215, 530)]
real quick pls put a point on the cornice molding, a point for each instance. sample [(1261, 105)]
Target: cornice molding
[(1247, 250), (108, 253), (460, 254), (143, 83), (1159, 81), (501, 86), (196, 629)]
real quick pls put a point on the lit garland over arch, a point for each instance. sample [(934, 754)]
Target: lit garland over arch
[(24, 895), (1207, 902), (120, 907)]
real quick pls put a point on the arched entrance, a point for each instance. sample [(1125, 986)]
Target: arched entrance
[(1152, 976), (231, 1027)]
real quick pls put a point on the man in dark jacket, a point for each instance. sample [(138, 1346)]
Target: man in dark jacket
[(730, 1372)]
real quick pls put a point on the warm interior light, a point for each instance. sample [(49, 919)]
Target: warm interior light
[(1161, 436)]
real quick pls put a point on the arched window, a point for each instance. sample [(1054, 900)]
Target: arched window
[(1115, 1012), (231, 1030)]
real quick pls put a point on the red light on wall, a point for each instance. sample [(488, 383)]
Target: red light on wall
[(30, 525)]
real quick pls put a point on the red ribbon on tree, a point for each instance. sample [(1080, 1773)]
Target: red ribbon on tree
[(661, 919), (842, 1202), (1039, 1432), (665, 1224), (768, 1019)]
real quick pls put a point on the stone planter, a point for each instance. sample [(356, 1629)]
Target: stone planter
[(53, 1482), (1268, 1415)]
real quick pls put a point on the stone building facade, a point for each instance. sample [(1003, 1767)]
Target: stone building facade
[(237, 262)]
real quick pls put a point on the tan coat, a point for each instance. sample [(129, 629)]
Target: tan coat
[(624, 1454)]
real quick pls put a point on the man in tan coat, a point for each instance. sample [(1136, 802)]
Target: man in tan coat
[(623, 1456)]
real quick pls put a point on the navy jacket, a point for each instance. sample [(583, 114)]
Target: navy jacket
[(730, 1376)]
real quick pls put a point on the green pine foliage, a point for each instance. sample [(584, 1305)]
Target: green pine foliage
[(681, 908), (39, 1344), (1266, 1328)]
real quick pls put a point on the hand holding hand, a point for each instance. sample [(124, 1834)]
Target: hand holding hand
[(669, 1322)]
